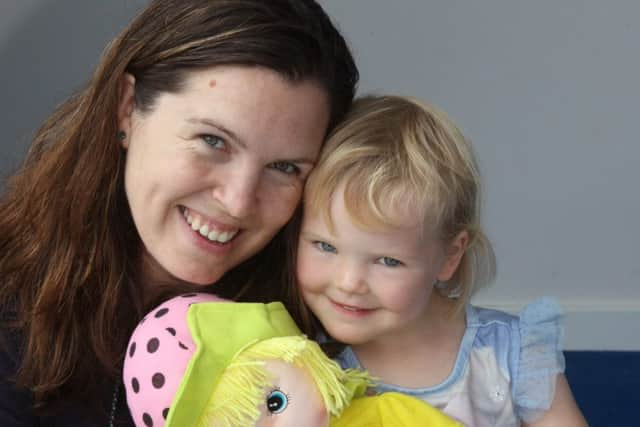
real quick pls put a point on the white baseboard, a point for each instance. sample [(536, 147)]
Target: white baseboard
[(592, 325)]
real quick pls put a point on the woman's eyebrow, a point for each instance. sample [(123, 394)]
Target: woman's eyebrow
[(208, 122)]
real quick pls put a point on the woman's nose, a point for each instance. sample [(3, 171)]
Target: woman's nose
[(237, 192)]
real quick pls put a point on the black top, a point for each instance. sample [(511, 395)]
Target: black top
[(16, 405)]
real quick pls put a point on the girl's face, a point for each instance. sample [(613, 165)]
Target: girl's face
[(366, 285), (214, 171)]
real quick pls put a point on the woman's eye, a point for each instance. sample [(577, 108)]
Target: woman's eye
[(389, 262), (325, 247), (277, 401), (213, 141), (286, 167)]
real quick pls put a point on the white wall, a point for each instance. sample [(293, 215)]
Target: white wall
[(547, 91), (48, 49)]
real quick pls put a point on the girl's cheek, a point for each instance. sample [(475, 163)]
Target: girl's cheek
[(401, 298)]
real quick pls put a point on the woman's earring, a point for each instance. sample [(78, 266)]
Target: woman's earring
[(122, 135)]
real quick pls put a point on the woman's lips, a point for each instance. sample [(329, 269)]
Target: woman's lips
[(207, 228)]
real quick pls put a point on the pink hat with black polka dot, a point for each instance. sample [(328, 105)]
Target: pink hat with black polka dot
[(158, 353)]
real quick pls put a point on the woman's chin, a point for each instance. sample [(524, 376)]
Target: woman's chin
[(197, 279), (173, 274)]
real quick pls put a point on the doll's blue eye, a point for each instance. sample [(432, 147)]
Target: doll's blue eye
[(277, 401)]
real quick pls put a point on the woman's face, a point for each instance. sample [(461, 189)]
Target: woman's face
[(214, 171)]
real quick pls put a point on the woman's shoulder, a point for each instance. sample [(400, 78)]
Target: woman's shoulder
[(11, 342), (16, 405)]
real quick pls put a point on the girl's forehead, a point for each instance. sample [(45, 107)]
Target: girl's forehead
[(345, 214), (396, 208)]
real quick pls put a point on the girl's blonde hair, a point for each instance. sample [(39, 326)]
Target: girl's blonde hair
[(396, 152)]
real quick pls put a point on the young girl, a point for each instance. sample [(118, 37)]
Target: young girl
[(390, 252)]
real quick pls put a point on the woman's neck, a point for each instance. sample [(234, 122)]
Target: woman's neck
[(155, 280), (420, 356)]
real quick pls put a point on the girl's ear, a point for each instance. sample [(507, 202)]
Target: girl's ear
[(126, 106), (453, 255)]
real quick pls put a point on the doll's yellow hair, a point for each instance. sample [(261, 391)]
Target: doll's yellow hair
[(241, 389)]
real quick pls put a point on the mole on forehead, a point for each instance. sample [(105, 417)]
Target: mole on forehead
[(212, 83)]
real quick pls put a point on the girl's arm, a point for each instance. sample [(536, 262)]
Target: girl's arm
[(564, 410)]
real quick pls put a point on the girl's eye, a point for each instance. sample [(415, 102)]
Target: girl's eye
[(325, 247), (277, 401), (389, 262), (286, 167), (213, 141)]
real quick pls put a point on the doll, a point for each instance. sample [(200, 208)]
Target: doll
[(199, 360), (391, 409)]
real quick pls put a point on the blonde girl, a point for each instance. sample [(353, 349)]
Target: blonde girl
[(390, 252)]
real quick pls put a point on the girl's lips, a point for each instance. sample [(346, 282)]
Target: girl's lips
[(351, 310)]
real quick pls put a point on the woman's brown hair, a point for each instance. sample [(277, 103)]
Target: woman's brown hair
[(69, 250)]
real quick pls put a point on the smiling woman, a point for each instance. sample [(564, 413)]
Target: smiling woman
[(180, 165), (213, 173)]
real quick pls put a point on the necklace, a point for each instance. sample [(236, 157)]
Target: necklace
[(114, 403)]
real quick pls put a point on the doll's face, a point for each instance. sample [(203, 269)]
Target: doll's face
[(292, 400)]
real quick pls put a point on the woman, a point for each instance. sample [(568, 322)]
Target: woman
[(177, 167)]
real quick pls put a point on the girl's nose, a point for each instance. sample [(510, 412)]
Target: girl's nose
[(351, 278)]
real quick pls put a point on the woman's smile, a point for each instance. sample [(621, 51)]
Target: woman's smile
[(209, 229)]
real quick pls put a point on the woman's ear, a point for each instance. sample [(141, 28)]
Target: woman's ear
[(126, 105), (453, 255)]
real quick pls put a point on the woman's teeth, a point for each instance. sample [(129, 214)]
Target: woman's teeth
[(207, 230)]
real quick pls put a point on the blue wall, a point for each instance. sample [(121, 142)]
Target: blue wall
[(606, 385)]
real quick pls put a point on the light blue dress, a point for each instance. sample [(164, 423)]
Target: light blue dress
[(505, 370)]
